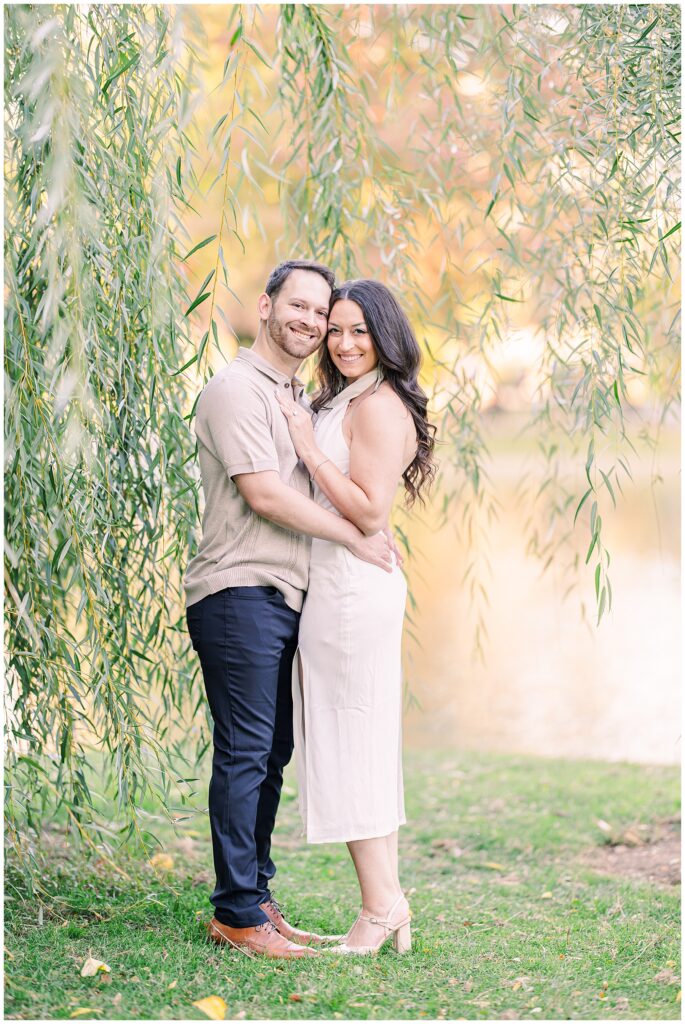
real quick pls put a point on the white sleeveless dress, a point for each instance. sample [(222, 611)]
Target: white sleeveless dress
[(348, 677)]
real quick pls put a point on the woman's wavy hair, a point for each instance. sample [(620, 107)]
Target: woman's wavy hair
[(399, 357)]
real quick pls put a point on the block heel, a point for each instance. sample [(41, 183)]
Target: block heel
[(401, 939)]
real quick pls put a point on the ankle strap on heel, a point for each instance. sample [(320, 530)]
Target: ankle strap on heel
[(387, 923)]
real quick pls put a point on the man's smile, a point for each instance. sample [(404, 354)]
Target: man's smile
[(303, 334)]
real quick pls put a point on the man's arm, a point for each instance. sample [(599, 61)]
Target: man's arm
[(233, 421), (270, 498)]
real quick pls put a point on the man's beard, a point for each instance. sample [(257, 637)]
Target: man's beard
[(280, 334)]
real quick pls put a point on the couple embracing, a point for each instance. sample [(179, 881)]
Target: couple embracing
[(295, 599)]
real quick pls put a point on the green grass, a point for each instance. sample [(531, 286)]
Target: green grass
[(509, 921)]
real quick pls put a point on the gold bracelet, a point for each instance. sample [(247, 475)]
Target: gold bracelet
[(319, 467)]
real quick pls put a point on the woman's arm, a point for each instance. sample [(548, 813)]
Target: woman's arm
[(376, 460), (268, 496)]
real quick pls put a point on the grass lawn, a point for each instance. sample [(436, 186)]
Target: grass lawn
[(515, 915)]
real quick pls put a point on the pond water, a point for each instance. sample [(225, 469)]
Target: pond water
[(553, 684)]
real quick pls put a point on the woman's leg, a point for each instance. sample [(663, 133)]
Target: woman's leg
[(393, 857), (375, 861)]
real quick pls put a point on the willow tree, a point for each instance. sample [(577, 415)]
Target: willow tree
[(537, 166)]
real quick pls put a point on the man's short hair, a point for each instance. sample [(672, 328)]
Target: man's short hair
[(280, 274)]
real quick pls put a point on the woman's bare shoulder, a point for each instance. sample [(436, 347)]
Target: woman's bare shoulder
[(383, 402)]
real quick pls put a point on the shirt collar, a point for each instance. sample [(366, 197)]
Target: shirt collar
[(261, 364)]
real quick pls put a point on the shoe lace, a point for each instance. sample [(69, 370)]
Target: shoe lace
[(276, 905), (279, 909), (266, 926)]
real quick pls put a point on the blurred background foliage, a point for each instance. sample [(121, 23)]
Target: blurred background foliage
[(511, 171)]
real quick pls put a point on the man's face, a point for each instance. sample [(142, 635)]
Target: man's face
[(298, 317)]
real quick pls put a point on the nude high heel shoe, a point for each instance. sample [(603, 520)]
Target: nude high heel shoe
[(399, 931)]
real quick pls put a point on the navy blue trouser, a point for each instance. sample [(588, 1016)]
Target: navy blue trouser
[(246, 638)]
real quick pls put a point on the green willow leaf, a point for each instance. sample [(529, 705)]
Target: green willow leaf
[(200, 245), (120, 71), (602, 603), (197, 301), (646, 32), (581, 503), (676, 227), (609, 487)]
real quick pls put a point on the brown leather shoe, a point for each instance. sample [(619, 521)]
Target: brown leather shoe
[(275, 915), (264, 939)]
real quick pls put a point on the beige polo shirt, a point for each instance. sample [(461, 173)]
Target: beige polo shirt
[(240, 429)]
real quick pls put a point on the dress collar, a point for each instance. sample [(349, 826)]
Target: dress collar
[(356, 388)]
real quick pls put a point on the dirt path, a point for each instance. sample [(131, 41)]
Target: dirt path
[(653, 859)]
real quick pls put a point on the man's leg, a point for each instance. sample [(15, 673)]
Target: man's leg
[(240, 634), (281, 752)]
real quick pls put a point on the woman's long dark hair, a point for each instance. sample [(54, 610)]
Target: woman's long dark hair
[(399, 357)]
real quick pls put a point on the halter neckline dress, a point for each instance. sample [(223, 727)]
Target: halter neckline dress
[(347, 678)]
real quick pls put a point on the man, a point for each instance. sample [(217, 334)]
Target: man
[(244, 593)]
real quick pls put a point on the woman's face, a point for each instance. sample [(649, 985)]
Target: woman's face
[(349, 342)]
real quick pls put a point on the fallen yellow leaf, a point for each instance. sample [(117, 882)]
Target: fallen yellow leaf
[(516, 986), (493, 865), (162, 861), (679, 996), (632, 838), (91, 968), (547, 896), (174, 983), (84, 1011), (213, 1007)]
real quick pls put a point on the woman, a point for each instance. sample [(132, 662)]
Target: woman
[(371, 428)]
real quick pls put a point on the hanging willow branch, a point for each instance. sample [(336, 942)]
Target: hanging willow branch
[(502, 168), (361, 206), (568, 218), (100, 497)]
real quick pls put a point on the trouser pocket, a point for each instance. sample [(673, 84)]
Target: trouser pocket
[(194, 623)]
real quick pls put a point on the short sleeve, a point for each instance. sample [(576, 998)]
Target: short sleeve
[(233, 422)]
